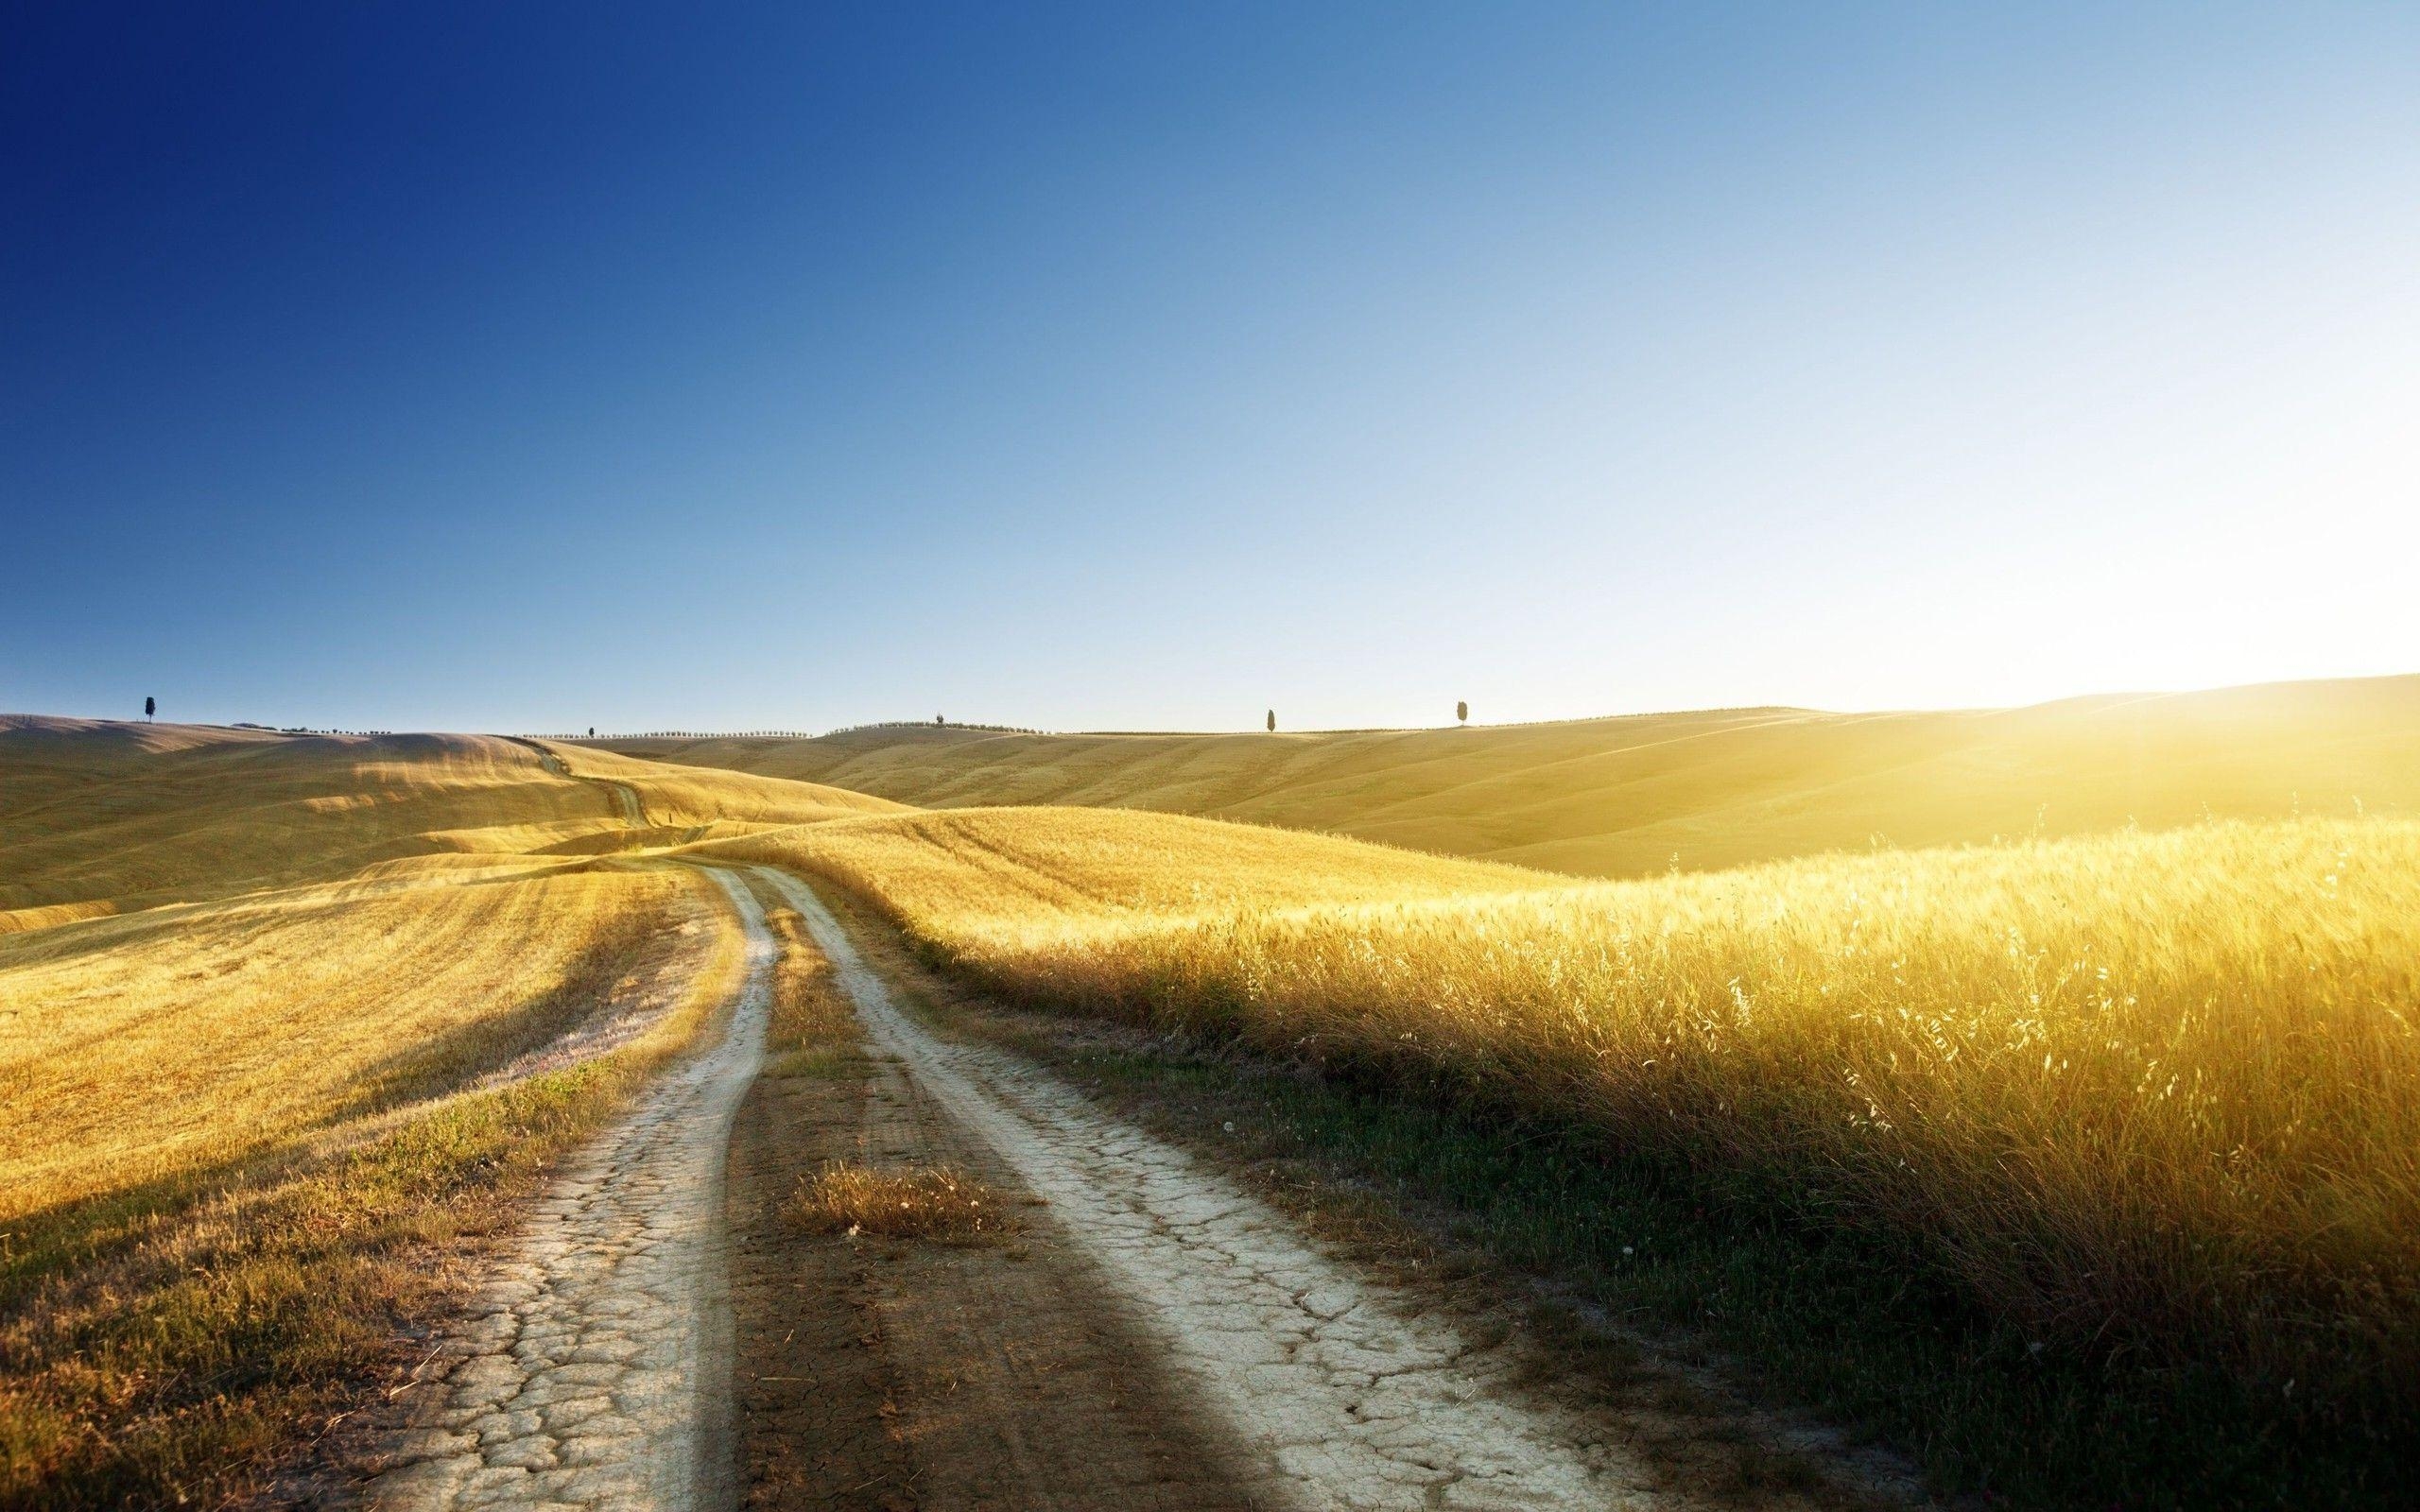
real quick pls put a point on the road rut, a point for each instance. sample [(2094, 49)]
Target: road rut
[(594, 1370), (626, 802), (1342, 1397)]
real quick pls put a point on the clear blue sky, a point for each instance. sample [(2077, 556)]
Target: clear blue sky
[(539, 366)]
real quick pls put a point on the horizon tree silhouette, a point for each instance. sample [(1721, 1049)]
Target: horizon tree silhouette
[(1462, 710), (1272, 721), (151, 707)]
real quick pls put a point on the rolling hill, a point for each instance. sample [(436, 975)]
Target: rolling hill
[(1625, 796), (98, 817)]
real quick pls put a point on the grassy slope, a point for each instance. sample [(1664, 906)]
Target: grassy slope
[(2144, 1100), (1630, 796), (98, 817), (687, 797), (254, 992), (188, 1035)]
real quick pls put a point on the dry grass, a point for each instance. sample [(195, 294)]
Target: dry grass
[(100, 817), (2152, 1095), (674, 795), (188, 1305), (246, 1130), (1634, 796), (935, 1202), (1018, 872), (112, 817), (185, 1038)]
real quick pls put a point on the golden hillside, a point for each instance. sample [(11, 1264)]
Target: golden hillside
[(214, 940), (1631, 795), (99, 815), (1023, 873)]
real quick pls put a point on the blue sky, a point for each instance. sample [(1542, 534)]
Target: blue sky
[(536, 367)]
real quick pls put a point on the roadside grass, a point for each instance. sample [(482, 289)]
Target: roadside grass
[(1715, 1275), (935, 1202), (2130, 1125), (174, 1339)]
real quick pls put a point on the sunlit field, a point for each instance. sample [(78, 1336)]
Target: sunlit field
[(98, 817), (188, 1036), (243, 1129), (2151, 1098), (1700, 791), (284, 1019)]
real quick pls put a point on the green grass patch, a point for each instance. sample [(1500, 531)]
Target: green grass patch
[(834, 1062)]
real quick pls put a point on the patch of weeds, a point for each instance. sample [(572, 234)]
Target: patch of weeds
[(834, 1062), (935, 1202), (809, 1010)]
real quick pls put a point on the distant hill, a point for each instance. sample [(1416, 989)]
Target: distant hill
[(103, 816), (1626, 796)]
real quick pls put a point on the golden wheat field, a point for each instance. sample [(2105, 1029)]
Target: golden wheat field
[(2150, 1090), (190, 1036)]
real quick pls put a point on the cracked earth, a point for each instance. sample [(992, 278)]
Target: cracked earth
[(592, 1371)]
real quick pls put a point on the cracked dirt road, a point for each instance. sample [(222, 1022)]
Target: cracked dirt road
[(1331, 1395), (595, 1368), (1171, 1343)]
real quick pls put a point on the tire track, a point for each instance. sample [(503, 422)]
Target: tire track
[(1343, 1400), (595, 1368), (625, 798)]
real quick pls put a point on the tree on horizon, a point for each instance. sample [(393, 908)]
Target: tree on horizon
[(1272, 721), (151, 707), (1462, 710)]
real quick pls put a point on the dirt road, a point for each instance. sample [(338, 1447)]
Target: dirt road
[(879, 1372), (1323, 1391), (1151, 1338), (594, 1370)]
